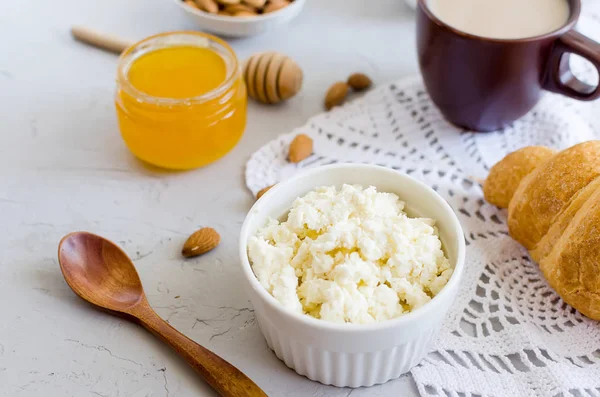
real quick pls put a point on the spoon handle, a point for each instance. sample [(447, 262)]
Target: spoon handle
[(226, 379), (101, 40)]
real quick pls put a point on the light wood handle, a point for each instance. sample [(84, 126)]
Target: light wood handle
[(101, 40), (226, 379)]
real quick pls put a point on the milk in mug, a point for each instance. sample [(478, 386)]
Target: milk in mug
[(502, 19)]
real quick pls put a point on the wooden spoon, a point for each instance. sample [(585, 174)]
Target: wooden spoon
[(101, 273)]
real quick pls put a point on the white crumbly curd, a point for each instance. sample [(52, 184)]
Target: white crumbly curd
[(350, 255)]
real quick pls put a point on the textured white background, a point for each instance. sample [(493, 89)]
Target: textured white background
[(63, 167)]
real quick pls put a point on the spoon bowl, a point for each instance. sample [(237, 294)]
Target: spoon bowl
[(100, 272)]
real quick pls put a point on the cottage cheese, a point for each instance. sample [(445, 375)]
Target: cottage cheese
[(350, 255)]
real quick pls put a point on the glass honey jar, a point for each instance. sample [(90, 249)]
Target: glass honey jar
[(181, 99)]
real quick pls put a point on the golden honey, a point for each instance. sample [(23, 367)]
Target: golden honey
[(181, 99)]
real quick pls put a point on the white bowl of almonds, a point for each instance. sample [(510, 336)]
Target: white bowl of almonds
[(239, 18)]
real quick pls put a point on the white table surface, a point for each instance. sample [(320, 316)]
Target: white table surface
[(63, 167)]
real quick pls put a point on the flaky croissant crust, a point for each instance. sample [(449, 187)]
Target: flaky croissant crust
[(553, 202)]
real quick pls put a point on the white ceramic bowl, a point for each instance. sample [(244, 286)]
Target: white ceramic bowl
[(353, 355), (240, 27)]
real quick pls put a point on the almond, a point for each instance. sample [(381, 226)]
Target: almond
[(275, 6), (359, 81), (300, 148), (207, 5), (235, 8), (242, 14), (200, 242), (336, 94), (255, 3), (263, 191), (227, 2), (191, 4)]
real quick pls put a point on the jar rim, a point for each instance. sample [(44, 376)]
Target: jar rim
[(174, 39)]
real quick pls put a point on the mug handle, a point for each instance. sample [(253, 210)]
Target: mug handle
[(560, 79)]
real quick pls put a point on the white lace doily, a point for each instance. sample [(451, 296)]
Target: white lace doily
[(509, 333)]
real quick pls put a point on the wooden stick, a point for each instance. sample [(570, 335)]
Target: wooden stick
[(100, 40)]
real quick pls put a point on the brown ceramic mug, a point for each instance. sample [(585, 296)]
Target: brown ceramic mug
[(484, 84)]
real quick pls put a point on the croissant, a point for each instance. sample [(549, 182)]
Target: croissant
[(553, 201)]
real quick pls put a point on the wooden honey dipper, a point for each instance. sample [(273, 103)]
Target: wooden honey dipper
[(272, 77)]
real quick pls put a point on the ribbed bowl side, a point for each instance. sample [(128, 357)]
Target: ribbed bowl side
[(346, 369)]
